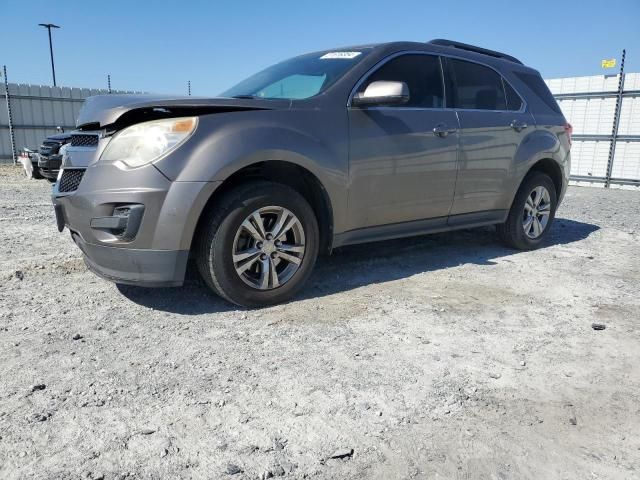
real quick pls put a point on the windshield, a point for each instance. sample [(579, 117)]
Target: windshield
[(297, 78)]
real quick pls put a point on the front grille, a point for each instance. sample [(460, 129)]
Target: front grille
[(80, 140), (70, 179), (49, 148)]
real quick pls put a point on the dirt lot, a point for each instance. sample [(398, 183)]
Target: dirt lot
[(446, 357)]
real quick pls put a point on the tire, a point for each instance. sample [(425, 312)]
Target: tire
[(34, 174), (512, 232), (223, 230)]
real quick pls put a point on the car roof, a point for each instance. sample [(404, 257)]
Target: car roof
[(437, 46), (451, 48)]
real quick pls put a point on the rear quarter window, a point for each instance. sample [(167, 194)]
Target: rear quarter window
[(536, 84), (514, 102)]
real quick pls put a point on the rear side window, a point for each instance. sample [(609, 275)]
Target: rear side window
[(422, 75), (514, 102), (537, 86), (475, 86)]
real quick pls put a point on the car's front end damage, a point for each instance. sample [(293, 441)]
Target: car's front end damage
[(132, 222)]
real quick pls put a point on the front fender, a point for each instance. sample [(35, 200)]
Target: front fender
[(225, 143)]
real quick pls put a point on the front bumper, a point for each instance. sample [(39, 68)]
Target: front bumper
[(49, 166), (145, 268), (157, 252)]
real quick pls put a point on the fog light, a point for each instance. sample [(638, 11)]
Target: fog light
[(124, 223), (122, 214)]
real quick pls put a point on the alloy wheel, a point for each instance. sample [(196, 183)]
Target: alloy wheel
[(268, 247), (537, 210)]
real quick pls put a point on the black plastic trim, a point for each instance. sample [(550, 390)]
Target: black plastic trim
[(420, 227), (146, 268), (472, 48)]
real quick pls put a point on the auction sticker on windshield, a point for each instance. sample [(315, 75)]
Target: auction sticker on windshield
[(343, 55)]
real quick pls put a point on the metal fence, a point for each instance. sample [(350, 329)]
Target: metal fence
[(605, 114), (32, 112)]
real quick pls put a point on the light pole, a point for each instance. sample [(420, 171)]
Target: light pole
[(49, 26)]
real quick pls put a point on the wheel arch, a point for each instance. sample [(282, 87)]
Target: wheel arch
[(542, 151), (552, 169), (293, 175)]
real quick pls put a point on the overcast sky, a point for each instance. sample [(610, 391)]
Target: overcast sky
[(157, 46)]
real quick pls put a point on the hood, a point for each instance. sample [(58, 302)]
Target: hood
[(61, 137), (118, 111)]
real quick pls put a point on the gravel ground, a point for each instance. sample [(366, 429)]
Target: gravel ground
[(446, 356)]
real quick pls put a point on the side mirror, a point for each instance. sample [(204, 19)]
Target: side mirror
[(382, 92)]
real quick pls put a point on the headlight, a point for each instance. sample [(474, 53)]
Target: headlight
[(145, 142)]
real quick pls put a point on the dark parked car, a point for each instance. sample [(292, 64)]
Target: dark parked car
[(50, 155), (327, 149)]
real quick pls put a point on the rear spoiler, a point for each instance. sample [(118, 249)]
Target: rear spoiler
[(472, 48)]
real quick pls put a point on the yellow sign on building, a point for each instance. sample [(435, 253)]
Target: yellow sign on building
[(609, 63)]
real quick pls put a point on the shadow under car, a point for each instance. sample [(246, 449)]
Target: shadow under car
[(345, 269)]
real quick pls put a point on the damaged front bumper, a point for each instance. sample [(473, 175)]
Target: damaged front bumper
[(141, 267), (133, 226)]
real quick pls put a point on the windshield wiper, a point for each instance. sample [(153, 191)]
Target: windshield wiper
[(245, 96)]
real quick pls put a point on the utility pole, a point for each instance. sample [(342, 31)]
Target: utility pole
[(189, 87), (49, 26), (10, 118), (109, 83)]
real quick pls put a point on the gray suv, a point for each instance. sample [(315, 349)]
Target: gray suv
[(323, 150)]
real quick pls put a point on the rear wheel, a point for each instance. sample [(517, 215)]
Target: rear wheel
[(531, 214), (258, 244)]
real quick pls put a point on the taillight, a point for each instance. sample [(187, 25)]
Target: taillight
[(568, 128)]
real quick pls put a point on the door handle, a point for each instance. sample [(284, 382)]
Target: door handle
[(442, 130), (518, 126)]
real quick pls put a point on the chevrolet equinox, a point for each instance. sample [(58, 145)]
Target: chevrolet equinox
[(326, 149)]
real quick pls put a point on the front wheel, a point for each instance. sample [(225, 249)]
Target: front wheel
[(531, 214), (32, 173), (258, 244)]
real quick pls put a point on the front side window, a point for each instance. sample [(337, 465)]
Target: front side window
[(475, 86), (298, 78), (422, 75)]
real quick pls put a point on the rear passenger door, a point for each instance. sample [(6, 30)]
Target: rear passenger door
[(493, 123)]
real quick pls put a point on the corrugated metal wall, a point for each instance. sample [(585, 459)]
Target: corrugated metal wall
[(589, 104), (36, 111)]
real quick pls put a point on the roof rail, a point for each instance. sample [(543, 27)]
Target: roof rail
[(472, 48)]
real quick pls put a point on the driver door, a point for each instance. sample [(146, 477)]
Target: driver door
[(401, 170)]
